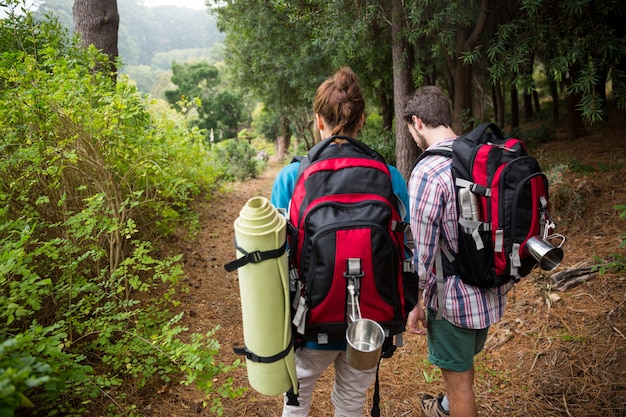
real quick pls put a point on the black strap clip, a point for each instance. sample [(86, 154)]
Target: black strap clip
[(264, 359), (254, 257)]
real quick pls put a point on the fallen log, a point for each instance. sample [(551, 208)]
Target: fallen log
[(564, 280)]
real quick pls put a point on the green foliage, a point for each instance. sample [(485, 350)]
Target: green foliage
[(266, 123), (431, 373), (535, 136), (439, 33), (579, 42), (378, 139), (273, 53), (238, 159), (616, 263), (88, 178), (468, 122), (163, 60), (148, 31), (218, 111), (576, 165), (364, 44), (151, 38), (19, 372)]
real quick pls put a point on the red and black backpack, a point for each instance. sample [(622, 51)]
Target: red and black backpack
[(502, 200), (343, 214)]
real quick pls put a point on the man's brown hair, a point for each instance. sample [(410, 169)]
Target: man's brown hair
[(431, 105)]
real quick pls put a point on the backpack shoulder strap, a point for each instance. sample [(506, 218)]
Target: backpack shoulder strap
[(443, 151), (443, 266), (315, 152)]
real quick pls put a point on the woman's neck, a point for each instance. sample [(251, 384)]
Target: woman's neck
[(326, 133)]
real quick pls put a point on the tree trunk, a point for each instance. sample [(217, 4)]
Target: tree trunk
[(280, 148), (406, 149), (527, 98), (480, 99), (386, 110), (97, 23), (498, 101), (528, 107), (574, 127), (600, 89), (466, 41), (514, 107), (462, 99), (554, 93), (284, 139)]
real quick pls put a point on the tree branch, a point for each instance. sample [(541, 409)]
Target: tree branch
[(479, 28)]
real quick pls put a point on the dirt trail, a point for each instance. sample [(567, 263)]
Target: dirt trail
[(553, 354)]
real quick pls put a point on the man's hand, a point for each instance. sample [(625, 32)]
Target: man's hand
[(417, 316)]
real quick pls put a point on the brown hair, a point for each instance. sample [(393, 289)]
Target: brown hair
[(340, 102), (431, 105)]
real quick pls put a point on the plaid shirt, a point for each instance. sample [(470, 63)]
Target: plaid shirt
[(433, 214)]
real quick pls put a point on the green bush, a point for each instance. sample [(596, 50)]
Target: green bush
[(88, 179), (535, 136), (237, 160)]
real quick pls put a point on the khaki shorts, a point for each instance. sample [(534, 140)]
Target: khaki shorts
[(451, 347), (349, 390)]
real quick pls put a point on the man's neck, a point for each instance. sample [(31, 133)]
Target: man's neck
[(439, 134)]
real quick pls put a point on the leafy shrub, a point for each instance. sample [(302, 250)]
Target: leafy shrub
[(535, 136), (577, 165), (237, 159), (87, 180)]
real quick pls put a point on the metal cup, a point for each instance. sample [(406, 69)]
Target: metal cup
[(547, 255), (365, 339)]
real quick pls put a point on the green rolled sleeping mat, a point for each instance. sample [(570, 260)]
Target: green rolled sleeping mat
[(263, 270)]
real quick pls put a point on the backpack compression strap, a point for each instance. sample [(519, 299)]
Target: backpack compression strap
[(264, 359), (291, 395), (254, 257)]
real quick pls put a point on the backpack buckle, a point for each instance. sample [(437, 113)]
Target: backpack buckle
[(353, 274), (353, 268)]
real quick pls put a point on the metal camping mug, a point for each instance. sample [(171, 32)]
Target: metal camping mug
[(365, 340), (547, 255)]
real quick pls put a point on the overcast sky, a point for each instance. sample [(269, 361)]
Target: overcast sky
[(192, 4)]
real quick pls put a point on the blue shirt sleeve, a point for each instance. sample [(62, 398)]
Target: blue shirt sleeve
[(283, 186), (400, 189)]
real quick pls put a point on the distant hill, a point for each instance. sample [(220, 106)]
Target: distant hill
[(150, 38)]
